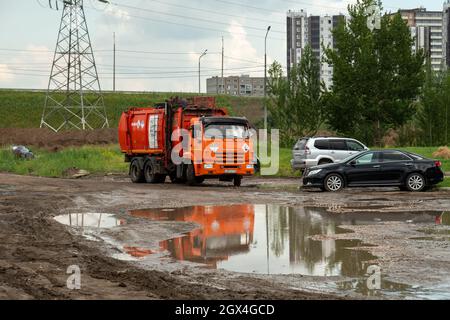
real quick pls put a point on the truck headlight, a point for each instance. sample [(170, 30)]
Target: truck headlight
[(208, 166), (314, 172), (250, 166)]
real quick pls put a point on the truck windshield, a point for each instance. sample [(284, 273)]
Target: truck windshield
[(227, 131)]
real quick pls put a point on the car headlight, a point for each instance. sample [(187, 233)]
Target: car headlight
[(250, 166), (314, 172), (208, 166)]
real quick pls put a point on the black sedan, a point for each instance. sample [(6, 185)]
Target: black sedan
[(386, 168)]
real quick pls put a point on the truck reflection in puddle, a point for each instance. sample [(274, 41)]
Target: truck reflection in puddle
[(224, 231), (262, 239)]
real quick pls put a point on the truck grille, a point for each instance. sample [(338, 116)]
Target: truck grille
[(230, 158)]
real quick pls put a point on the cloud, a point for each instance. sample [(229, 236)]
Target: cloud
[(27, 69), (117, 13), (6, 75)]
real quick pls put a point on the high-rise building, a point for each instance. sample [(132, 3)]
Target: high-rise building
[(446, 33), (315, 31), (427, 30)]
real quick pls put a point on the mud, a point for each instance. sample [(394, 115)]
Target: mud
[(47, 139), (36, 250)]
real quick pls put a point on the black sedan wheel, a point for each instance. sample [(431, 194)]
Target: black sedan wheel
[(415, 182), (334, 183)]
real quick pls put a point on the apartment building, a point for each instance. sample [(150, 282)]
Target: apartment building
[(315, 31), (427, 29), (243, 85)]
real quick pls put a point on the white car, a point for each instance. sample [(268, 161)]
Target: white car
[(310, 152)]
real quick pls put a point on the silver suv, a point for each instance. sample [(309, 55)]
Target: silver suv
[(310, 152)]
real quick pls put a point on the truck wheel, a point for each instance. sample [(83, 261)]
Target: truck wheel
[(199, 180), (190, 175), (174, 179), (237, 181), (151, 177), (136, 173)]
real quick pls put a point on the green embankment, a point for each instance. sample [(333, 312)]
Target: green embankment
[(23, 109), (94, 159), (108, 159)]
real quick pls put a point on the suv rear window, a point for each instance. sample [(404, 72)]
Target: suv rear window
[(301, 144), (354, 146), (338, 145), (322, 144)]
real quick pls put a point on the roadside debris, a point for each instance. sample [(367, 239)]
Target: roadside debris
[(75, 173), (442, 152), (22, 152)]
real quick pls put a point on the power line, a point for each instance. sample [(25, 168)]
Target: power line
[(136, 78), (197, 27), (218, 12), (327, 6), (108, 50), (148, 73), (187, 17), (251, 7), (160, 52)]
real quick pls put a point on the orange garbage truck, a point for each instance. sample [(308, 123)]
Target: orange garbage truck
[(186, 140)]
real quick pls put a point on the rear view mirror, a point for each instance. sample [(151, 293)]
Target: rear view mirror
[(353, 163)]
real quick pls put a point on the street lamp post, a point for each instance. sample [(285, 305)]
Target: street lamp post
[(265, 77), (199, 74)]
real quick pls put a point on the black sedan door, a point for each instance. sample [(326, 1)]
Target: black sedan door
[(395, 166), (364, 170)]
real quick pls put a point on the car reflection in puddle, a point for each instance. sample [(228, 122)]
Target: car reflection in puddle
[(443, 219), (268, 239), (264, 239)]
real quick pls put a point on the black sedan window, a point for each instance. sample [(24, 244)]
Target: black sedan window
[(389, 156), (368, 158)]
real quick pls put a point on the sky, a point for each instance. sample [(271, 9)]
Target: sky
[(158, 41)]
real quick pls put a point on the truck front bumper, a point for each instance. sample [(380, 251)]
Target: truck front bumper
[(215, 169)]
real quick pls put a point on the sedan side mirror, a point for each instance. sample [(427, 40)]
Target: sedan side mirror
[(353, 163)]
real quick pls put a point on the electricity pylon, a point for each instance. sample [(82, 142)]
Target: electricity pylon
[(74, 99)]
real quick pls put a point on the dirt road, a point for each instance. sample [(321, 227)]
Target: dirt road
[(35, 250)]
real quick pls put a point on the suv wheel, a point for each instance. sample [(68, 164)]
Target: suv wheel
[(334, 183), (415, 182)]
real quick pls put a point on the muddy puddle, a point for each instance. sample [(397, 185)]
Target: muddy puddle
[(263, 240)]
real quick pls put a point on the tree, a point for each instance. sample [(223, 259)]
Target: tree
[(296, 105), (376, 77), (433, 114)]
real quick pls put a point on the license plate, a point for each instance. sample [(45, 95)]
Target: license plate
[(230, 171)]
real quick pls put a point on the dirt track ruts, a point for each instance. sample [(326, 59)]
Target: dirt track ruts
[(35, 250)]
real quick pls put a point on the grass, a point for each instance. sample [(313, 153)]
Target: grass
[(109, 159), (14, 104), (428, 153), (94, 159), (445, 184)]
